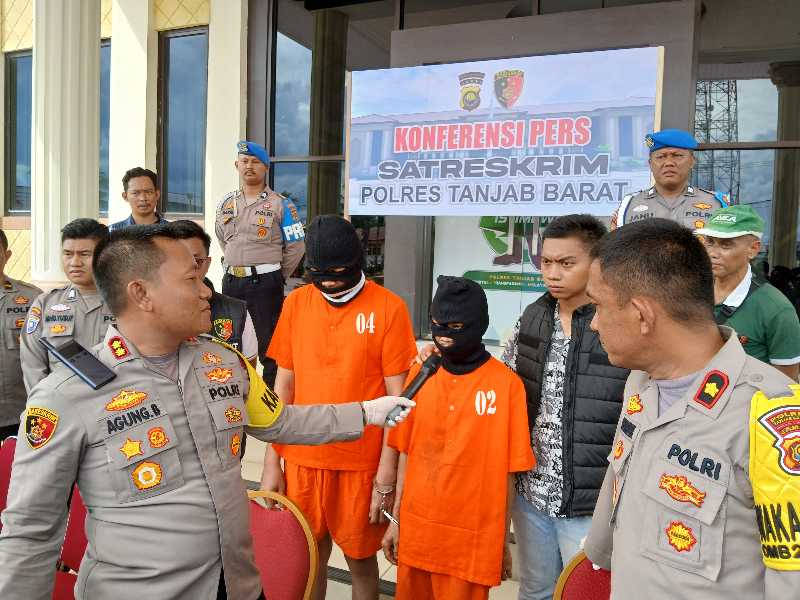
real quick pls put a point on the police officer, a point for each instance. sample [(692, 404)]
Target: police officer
[(702, 496), (72, 312), (671, 161), (155, 452), (262, 239), (16, 298), (230, 321)]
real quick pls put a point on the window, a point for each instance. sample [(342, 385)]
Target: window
[(105, 104), (625, 131), (183, 82), (19, 107)]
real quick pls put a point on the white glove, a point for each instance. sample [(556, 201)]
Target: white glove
[(376, 411)]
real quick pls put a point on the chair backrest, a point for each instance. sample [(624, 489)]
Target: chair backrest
[(284, 546), (75, 537), (64, 587), (581, 581), (6, 459)]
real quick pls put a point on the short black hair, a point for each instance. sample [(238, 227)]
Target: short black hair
[(127, 254), (586, 227), (84, 229), (138, 172), (184, 229), (663, 260), (3, 240)]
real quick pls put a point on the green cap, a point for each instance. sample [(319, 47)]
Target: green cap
[(733, 221)]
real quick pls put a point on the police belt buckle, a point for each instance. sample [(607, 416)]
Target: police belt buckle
[(239, 271)]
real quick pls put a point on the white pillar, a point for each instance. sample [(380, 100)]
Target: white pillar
[(226, 108), (132, 119), (66, 125)]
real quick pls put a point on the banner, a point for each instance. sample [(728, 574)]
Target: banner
[(543, 135)]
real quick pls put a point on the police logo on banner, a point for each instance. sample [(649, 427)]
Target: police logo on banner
[(508, 86), (470, 89)]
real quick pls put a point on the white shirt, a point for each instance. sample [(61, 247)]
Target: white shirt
[(739, 293), (249, 340)]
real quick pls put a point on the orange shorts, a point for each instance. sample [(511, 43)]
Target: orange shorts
[(416, 584), (336, 503)]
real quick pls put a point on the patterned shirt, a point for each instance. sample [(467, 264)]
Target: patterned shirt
[(543, 486)]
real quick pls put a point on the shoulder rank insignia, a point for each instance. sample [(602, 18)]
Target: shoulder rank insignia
[(711, 389), (118, 347)]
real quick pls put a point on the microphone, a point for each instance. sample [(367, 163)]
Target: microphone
[(429, 367)]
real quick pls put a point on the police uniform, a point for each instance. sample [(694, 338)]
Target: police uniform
[(16, 298), (60, 315), (157, 464), (704, 500), (262, 240)]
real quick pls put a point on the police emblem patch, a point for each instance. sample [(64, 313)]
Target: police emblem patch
[(784, 425), (508, 86), (58, 328), (34, 316), (619, 449), (219, 374), (262, 232), (634, 405), (233, 414), (157, 437), (126, 399), (223, 328), (470, 90), (19, 323), (236, 444), (40, 425), (711, 389), (210, 358), (147, 475), (702, 206), (680, 536), (20, 300), (118, 347), (699, 224), (681, 489), (131, 448), (649, 142)]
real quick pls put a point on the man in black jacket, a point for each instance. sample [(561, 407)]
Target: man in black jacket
[(574, 399)]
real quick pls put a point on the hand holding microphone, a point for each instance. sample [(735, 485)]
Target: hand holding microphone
[(429, 367)]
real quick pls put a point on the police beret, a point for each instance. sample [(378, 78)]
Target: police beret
[(253, 149), (670, 138)]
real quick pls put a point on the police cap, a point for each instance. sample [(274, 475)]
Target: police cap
[(253, 149), (670, 138)]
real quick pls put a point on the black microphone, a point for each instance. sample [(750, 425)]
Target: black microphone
[(429, 367)]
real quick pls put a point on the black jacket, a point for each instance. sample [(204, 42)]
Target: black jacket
[(228, 317), (593, 395)]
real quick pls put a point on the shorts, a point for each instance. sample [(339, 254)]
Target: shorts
[(416, 584), (336, 503)]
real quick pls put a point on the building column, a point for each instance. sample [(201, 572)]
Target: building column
[(134, 94), (786, 186), (226, 109), (66, 125)]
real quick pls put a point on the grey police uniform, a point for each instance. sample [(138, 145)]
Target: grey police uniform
[(693, 210), (157, 464), (676, 515), (16, 299), (64, 314)]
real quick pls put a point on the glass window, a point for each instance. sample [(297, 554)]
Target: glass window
[(105, 104), (292, 96), (731, 110), (19, 107), (182, 136), (625, 131), (294, 179)]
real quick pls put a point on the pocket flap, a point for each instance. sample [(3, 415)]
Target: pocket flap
[(685, 491), (228, 414)]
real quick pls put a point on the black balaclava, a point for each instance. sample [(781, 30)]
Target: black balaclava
[(459, 300), (332, 242)]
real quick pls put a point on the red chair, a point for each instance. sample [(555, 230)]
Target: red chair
[(64, 588), (6, 459), (284, 547), (580, 581), (75, 537)]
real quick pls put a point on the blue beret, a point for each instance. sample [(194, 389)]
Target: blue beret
[(253, 149), (670, 138)]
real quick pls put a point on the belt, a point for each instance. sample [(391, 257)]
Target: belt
[(252, 270)]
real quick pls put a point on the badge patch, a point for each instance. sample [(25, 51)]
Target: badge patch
[(262, 232), (640, 208), (233, 414), (711, 389), (702, 206), (60, 308), (72, 294), (634, 405), (784, 425), (126, 399), (508, 86), (219, 374), (699, 224), (19, 323), (211, 359), (223, 328), (40, 425), (58, 328), (157, 437), (743, 339), (680, 536), (21, 300), (619, 449), (118, 347), (147, 475), (681, 489), (131, 448), (236, 444), (34, 316)]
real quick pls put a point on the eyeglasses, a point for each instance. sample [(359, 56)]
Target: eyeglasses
[(202, 261)]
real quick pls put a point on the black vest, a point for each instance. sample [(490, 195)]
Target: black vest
[(593, 395), (228, 316)]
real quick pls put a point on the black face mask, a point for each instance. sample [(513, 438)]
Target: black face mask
[(332, 243), (460, 300)]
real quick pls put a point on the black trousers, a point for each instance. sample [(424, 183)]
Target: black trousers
[(264, 297)]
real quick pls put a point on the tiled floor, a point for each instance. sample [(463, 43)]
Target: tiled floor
[(251, 470)]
